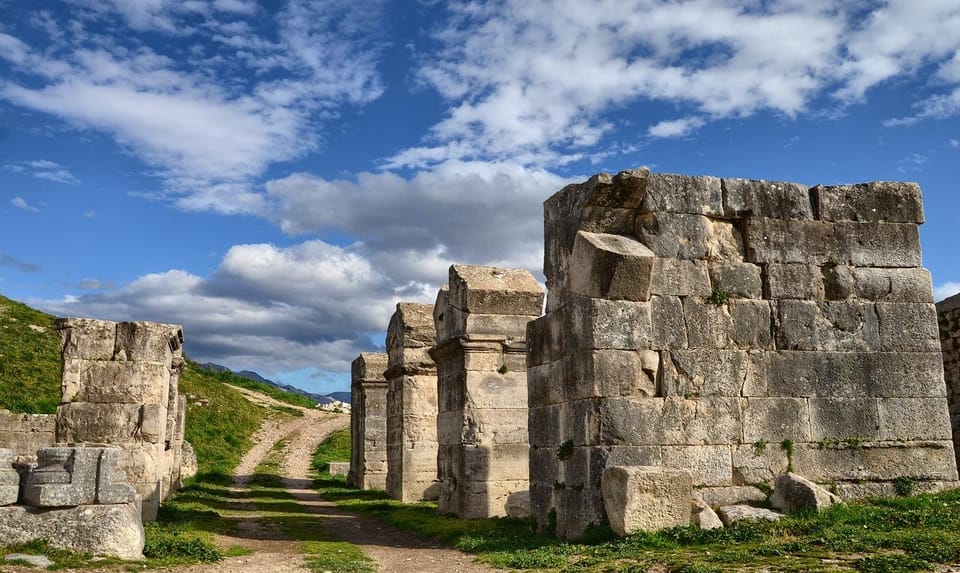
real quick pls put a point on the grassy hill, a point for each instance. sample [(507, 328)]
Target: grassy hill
[(29, 359)]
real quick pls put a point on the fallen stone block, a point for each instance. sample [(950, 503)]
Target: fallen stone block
[(107, 530), (646, 498), (703, 516), (613, 267), (793, 493), (732, 514), (9, 478), (338, 468), (518, 504)]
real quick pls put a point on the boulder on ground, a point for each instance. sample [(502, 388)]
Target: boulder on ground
[(646, 498), (703, 516), (731, 514), (793, 492)]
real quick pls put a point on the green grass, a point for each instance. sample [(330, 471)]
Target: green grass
[(29, 360), (263, 388), (884, 535), (336, 448)]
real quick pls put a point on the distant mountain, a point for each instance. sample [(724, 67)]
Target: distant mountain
[(251, 375)]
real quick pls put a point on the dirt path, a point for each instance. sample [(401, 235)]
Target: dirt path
[(392, 549)]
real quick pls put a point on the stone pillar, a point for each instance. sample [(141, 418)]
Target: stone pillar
[(735, 329), (411, 404), (481, 326), (948, 313), (119, 388), (368, 422)]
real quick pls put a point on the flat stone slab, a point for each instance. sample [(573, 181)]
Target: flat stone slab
[(108, 530), (731, 514), (41, 561)]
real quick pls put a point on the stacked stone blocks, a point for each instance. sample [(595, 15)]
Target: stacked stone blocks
[(368, 422), (411, 404), (26, 433), (482, 380), (119, 387), (948, 313), (736, 329)]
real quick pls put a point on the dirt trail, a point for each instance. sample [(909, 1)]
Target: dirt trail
[(392, 549)]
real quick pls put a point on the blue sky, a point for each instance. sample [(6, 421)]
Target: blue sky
[(275, 176)]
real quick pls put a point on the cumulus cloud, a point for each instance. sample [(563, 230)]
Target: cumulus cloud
[(675, 128), (208, 129)]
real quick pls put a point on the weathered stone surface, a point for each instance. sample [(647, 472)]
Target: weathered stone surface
[(64, 477), (708, 372), (108, 530), (368, 421), (793, 281), (188, 461), (646, 498), (732, 514), (852, 419), (599, 373), (518, 505), (87, 338), (893, 202), (876, 461), (41, 561), (684, 236), (494, 290), (827, 326), (613, 267), (148, 342), (338, 468), (670, 193), (906, 327), (878, 284), (9, 478), (773, 199), (735, 279), (730, 495), (703, 516), (775, 419), (793, 493), (112, 486), (679, 277)]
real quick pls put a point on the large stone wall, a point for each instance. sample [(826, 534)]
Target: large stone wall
[(368, 422), (948, 312), (736, 329), (411, 404), (481, 323), (120, 388), (24, 434)]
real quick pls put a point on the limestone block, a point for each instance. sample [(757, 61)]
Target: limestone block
[(631, 455), (775, 419), (545, 337), (907, 327), (854, 374), (703, 516), (338, 468), (494, 290), (577, 510), (680, 277), (80, 422), (709, 372), (613, 267), (454, 322), (598, 373), (518, 505), (732, 514), (645, 498), (188, 461), (913, 419), (112, 486), (710, 325), (87, 339), (758, 462), (545, 383), (114, 382), (773, 199), (411, 327), (483, 499), (9, 478), (493, 462), (893, 202), (736, 279), (708, 465), (819, 242), (852, 419), (616, 324), (544, 465), (878, 284), (793, 493), (794, 280), (751, 324), (107, 530), (682, 236), (660, 421), (64, 477), (148, 341), (671, 193), (544, 425), (730, 495), (369, 366), (829, 326), (153, 423), (876, 461), (483, 426)]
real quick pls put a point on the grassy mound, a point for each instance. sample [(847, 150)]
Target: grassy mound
[(29, 359)]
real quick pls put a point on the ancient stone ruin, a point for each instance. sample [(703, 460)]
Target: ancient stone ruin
[(411, 404), (74, 498), (738, 330), (481, 322), (368, 422), (120, 388), (948, 312)]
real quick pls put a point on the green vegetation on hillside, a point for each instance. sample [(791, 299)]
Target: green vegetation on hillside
[(263, 388), (336, 448), (29, 359), (918, 533)]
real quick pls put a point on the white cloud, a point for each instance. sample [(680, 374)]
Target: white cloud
[(44, 169), (675, 128), (21, 203), (946, 290), (954, 143), (212, 127), (913, 163)]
